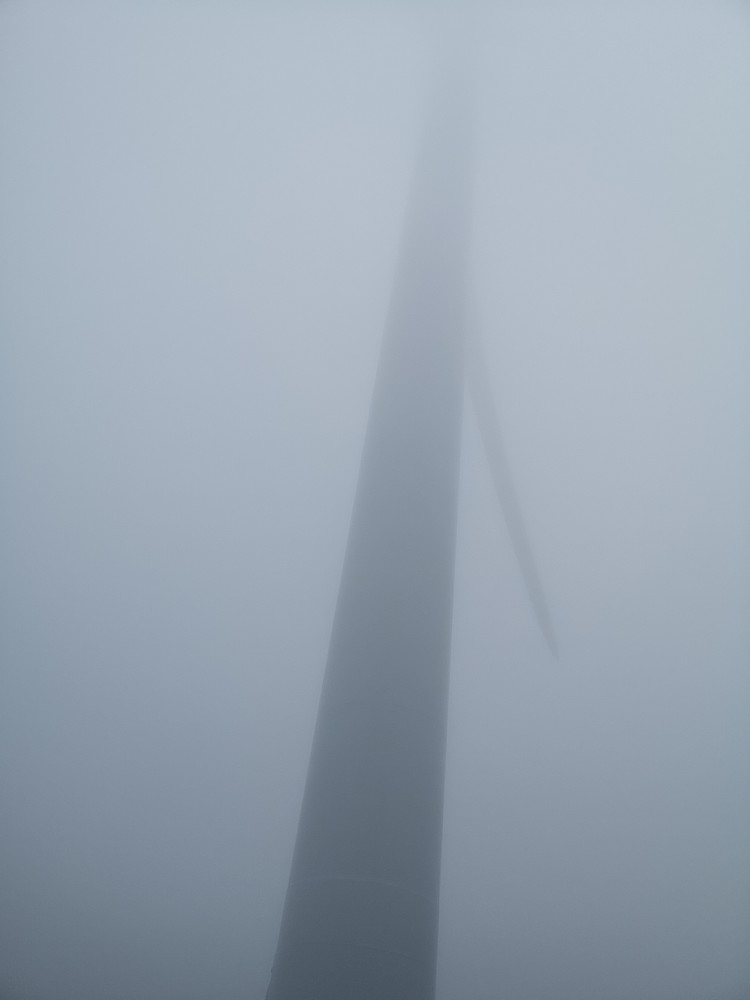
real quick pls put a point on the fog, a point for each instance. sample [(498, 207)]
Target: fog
[(201, 211)]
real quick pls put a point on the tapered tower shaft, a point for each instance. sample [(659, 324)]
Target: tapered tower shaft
[(361, 912)]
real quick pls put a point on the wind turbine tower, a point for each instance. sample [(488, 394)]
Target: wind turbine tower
[(360, 917)]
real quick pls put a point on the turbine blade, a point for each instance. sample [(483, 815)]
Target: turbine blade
[(489, 430)]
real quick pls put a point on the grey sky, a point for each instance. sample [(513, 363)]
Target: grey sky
[(201, 207)]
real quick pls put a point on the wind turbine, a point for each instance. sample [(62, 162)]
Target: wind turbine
[(360, 917)]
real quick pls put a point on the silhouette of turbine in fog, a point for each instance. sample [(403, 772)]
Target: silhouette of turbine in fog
[(361, 912)]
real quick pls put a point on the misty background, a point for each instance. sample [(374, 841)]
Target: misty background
[(200, 212)]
